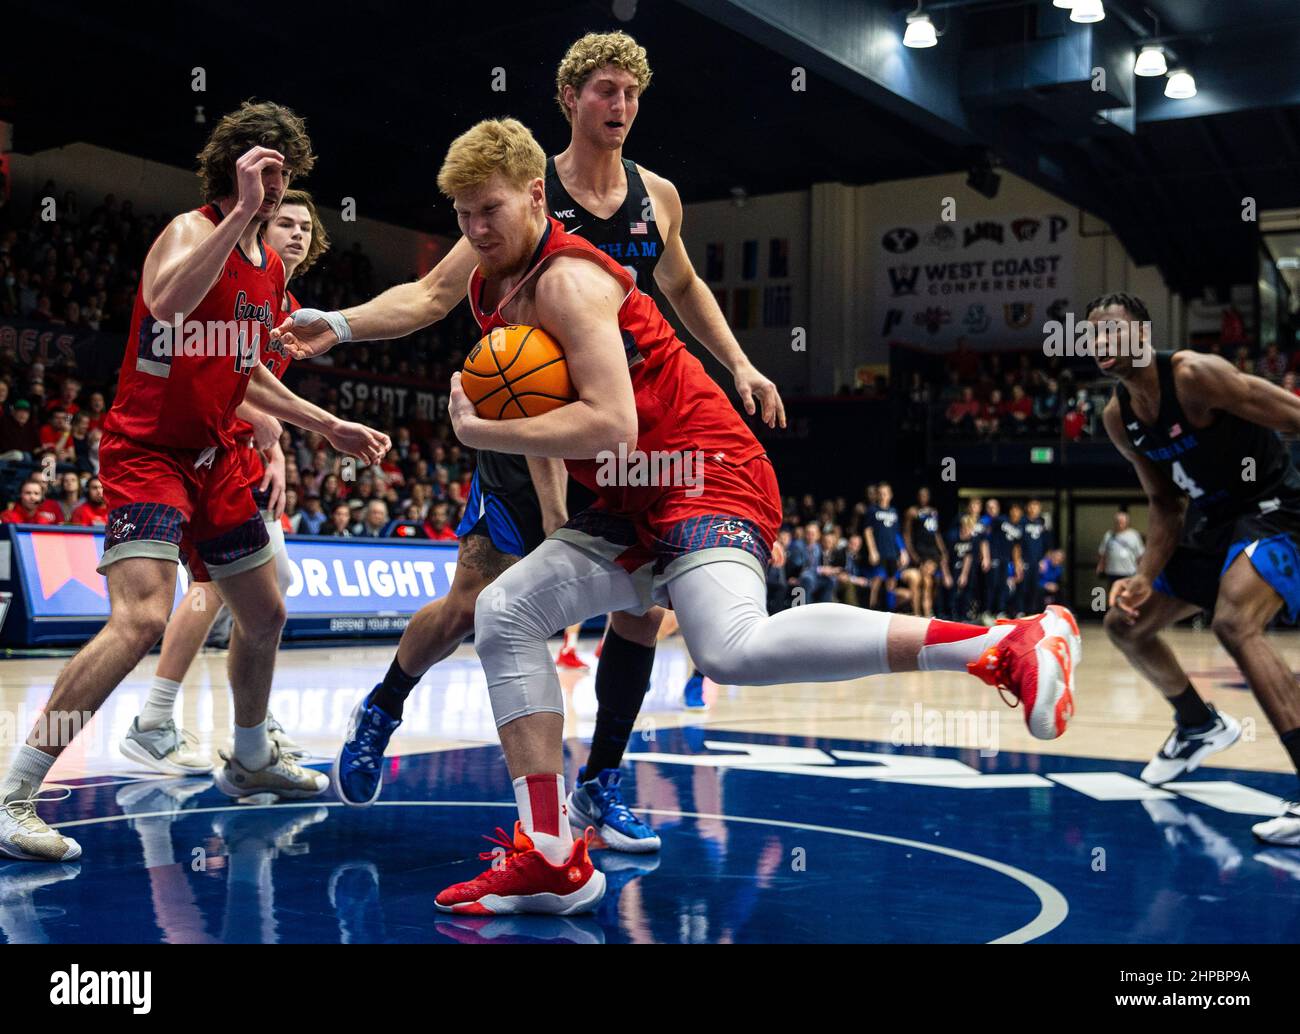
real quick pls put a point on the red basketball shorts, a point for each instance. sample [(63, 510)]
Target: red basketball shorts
[(180, 504)]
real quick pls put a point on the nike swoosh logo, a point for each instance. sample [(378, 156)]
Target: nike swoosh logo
[(574, 229), (1139, 441)]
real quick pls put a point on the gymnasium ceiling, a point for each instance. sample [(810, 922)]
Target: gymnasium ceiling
[(385, 85)]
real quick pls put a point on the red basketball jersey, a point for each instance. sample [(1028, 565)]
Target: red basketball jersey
[(679, 408), (181, 388), (277, 360)]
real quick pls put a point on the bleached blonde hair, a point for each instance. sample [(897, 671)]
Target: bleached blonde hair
[(596, 50), (502, 145)]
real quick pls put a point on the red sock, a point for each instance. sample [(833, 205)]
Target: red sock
[(543, 811), (951, 645)]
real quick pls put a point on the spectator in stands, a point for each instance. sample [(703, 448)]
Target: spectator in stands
[(1288, 381), (290, 506), (81, 443), (332, 491), (93, 510), (1047, 409), (438, 527), (1075, 424), (20, 438), (1120, 550), (96, 409), (1020, 410), (989, 421), (340, 524), (30, 507), (67, 400), (68, 497), (962, 414), (374, 521), (1272, 364), (57, 434), (1050, 571), (311, 518), (802, 560), (854, 581), (1242, 360), (778, 587)]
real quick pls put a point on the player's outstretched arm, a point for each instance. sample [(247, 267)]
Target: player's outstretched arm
[(187, 258), (692, 300), (1206, 383), (271, 397), (577, 304), (399, 311), (1164, 519)]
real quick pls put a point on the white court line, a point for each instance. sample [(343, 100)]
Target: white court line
[(1052, 904)]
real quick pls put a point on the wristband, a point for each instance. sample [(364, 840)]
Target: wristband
[(336, 320)]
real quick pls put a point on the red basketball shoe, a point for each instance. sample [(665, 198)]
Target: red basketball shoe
[(1036, 662), (522, 880), (568, 658)]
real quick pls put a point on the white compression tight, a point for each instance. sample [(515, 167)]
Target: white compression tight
[(721, 608)]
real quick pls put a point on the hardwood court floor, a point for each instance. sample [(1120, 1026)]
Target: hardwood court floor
[(901, 808), (1118, 715)]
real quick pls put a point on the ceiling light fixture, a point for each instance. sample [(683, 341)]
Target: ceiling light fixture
[(1087, 11), (920, 30), (1180, 86), (1150, 61)]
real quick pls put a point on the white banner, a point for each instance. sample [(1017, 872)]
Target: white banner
[(994, 282)]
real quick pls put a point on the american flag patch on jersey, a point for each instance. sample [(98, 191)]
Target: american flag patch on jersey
[(638, 228)]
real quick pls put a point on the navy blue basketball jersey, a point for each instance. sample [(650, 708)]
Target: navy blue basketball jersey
[(630, 236), (1210, 465)]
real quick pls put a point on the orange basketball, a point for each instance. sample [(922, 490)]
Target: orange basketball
[(517, 371)]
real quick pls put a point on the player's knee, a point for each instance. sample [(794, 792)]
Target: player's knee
[(459, 614), (142, 625), (495, 622), (265, 625), (1232, 627), (639, 628), (1121, 631)]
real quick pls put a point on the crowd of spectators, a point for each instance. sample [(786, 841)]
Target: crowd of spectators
[(1020, 395), (977, 565), (80, 269)]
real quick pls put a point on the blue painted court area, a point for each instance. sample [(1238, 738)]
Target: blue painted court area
[(766, 838)]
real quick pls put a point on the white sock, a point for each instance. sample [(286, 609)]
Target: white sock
[(544, 814), (253, 747), (29, 766), (161, 704), (950, 646)]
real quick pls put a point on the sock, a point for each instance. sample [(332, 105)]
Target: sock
[(544, 814), (161, 703), (1190, 710), (30, 766), (622, 679), (950, 646), (696, 673), (1291, 741), (252, 746), (391, 694)]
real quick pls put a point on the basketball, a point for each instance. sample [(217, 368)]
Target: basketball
[(517, 371)]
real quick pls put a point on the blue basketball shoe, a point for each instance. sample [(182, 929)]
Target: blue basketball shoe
[(358, 777), (694, 693), (598, 802)]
